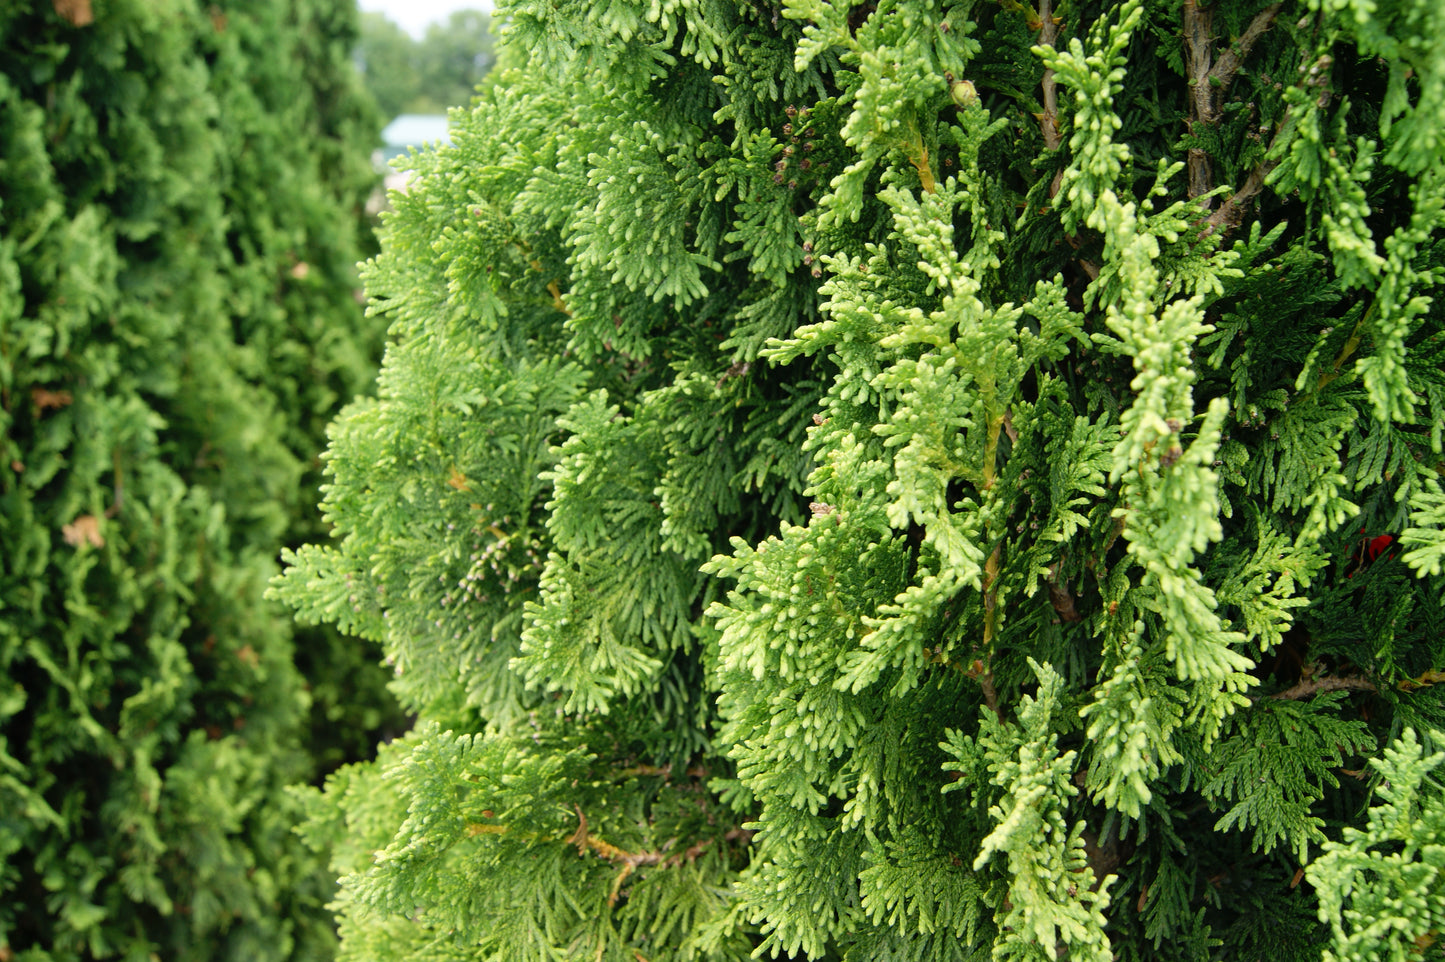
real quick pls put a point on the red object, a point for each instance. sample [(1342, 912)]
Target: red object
[(1369, 550), (1377, 545)]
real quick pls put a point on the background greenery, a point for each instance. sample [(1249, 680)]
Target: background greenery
[(429, 75), (181, 191)]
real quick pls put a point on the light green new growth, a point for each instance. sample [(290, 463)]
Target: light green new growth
[(1382, 888), (1056, 898)]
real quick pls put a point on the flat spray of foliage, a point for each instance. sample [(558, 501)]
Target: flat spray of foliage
[(909, 481), (180, 187)]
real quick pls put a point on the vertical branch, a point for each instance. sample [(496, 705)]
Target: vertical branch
[(918, 156), (1049, 120), (1209, 81), (992, 565), (1198, 59), (1231, 214), (1048, 27)]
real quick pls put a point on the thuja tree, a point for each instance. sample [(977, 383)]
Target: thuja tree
[(180, 197), (915, 481)]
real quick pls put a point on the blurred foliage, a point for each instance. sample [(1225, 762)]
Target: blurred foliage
[(181, 209), (425, 76)]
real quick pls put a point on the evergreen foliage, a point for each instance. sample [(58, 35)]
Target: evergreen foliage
[(923, 479), (181, 191)]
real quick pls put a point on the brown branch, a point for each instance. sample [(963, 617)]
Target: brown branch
[(990, 694), (978, 671), (1049, 119), (1059, 595), (555, 290), (1048, 27), (1232, 59), (1209, 81), (585, 841), (992, 566), (991, 569), (990, 600), (627, 870), (1008, 426), (1231, 213), (1432, 676), (1198, 54), (1314, 686), (580, 836), (918, 156)]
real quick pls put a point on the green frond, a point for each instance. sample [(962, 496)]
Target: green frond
[(1380, 887), (921, 463)]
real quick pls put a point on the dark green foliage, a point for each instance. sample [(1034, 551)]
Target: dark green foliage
[(180, 206), (910, 480)]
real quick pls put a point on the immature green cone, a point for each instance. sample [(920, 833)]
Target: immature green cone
[(814, 520), (963, 92)]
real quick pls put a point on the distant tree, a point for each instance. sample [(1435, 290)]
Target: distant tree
[(453, 59), (386, 57), (425, 76), (181, 197)]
